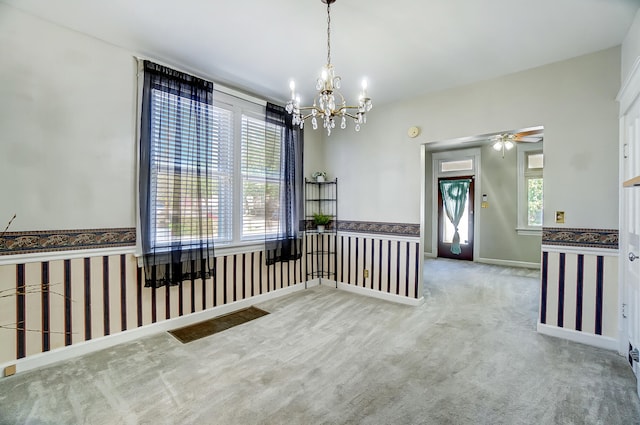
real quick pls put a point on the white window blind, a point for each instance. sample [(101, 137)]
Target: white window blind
[(222, 170), (223, 137), (191, 160), (261, 177)]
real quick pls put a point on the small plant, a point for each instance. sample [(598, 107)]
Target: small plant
[(319, 176), (320, 219)]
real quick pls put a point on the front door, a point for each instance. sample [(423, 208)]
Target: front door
[(446, 229)]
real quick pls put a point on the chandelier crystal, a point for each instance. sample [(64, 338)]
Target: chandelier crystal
[(329, 104)]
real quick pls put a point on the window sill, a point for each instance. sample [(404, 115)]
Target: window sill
[(527, 231), (221, 250), (239, 248)]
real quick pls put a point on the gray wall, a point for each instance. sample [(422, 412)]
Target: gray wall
[(498, 239), (631, 47), (574, 100), (68, 124), (313, 153), (68, 128)]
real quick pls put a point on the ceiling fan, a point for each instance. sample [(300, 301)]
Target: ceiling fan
[(507, 140)]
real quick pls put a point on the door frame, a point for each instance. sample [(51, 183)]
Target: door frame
[(453, 155), (628, 96)]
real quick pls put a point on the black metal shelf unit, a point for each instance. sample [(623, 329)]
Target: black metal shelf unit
[(322, 256)]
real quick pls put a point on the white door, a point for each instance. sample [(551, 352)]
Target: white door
[(630, 232)]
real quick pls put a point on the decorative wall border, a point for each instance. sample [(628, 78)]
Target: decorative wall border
[(396, 229), (65, 240), (29, 242), (586, 238)]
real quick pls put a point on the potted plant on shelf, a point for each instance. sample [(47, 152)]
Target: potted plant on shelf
[(321, 220), (319, 176)]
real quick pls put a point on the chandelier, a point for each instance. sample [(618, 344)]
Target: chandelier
[(502, 142), (329, 104)]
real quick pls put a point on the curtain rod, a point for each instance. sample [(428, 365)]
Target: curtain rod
[(216, 86)]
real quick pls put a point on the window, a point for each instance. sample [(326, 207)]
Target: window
[(242, 200), (175, 174), (456, 165), (530, 188), (249, 205), (261, 177)]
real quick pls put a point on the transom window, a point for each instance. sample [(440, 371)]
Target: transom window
[(456, 165)]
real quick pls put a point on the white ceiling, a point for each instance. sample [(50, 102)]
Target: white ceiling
[(403, 47)]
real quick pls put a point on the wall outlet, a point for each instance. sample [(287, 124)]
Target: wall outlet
[(366, 273)]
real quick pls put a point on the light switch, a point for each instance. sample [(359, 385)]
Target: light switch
[(559, 216)]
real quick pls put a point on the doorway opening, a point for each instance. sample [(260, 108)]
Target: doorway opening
[(505, 203), (455, 217), (456, 170)]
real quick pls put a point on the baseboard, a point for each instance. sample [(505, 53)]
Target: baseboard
[(86, 347), (374, 294), (599, 341), (497, 262), (313, 282), (508, 263)]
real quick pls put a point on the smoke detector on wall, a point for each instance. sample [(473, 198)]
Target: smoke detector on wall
[(413, 132)]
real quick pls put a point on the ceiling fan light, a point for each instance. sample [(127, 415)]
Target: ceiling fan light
[(497, 145), (508, 144)]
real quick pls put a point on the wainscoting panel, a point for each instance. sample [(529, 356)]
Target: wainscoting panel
[(394, 264), (65, 291), (46, 305), (579, 290)]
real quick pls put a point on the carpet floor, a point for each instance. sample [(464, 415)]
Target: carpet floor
[(469, 355)]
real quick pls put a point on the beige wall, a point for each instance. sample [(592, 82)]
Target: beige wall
[(573, 99), (95, 296)]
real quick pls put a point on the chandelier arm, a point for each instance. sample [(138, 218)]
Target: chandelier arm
[(346, 113), (338, 113), (309, 108)]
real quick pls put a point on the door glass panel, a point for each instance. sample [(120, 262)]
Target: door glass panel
[(463, 226)]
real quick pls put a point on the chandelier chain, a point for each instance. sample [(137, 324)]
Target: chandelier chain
[(328, 33), (329, 104)]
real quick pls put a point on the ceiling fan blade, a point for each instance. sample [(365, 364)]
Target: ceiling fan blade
[(534, 132), (529, 139)]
